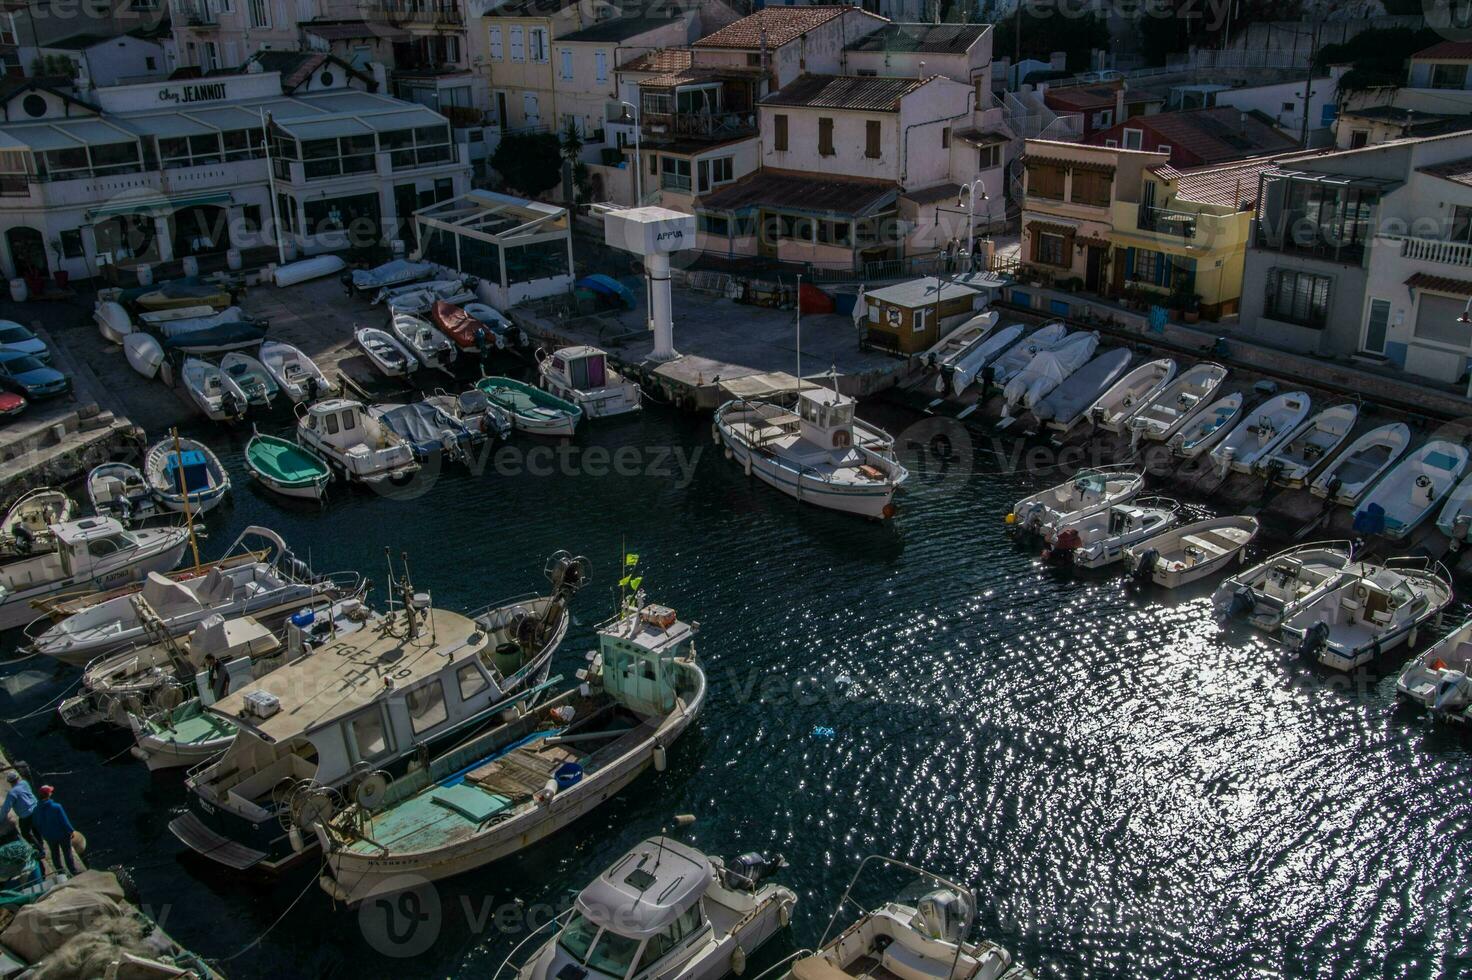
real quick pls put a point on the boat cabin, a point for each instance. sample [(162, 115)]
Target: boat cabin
[(827, 417), (637, 650), (581, 368), (80, 546)]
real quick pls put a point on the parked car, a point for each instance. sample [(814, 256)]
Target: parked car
[(26, 375), (13, 336), (11, 404)]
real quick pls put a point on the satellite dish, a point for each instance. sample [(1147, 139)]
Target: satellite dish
[(372, 791)]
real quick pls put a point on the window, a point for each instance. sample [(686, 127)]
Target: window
[(600, 66), (496, 52), (1133, 138), (250, 216), (1461, 230), (988, 157), (369, 735), (1448, 76), (260, 13), (779, 133), (753, 59), (1163, 148), (418, 147), (1111, 143), (577, 937), (1044, 181), (427, 706), (71, 244), (654, 163), (1377, 325), (518, 44), (566, 57), (722, 170), (1052, 249), (1297, 297), (151, 63), (835, 233), (945, 138), (1103, 120), (688, 923), (1149, 267), (674, 173), (1288, 106), (1091, 187), (919, 320), (613, 954), (536, 44), (1358, 138), (103, 547), (713, 224), (471, 681), (871, 139), (825, 137)]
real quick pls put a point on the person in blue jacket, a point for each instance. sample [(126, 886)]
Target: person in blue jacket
[(56, 830), (21, 800)]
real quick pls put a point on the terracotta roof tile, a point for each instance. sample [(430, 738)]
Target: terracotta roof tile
[(780, 25), (1458, 171), (1211, 136), (1082, 98), (875, 93), (1447, 51), (1440, 284), (805, 192), (663, 61)]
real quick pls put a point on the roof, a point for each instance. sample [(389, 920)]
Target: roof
[(930, 195), (1446, 51), (1212, 135), (297, 67), (662, 61), (1083, 98), (776, 26), (350, 30), (981, 137), (1440, 284), (78, 42), (619, 29), (930, 38), (86, 529), (647, 889), (804, 192), (1457, 171), (874, 93), (920, 292), (1231, 187)]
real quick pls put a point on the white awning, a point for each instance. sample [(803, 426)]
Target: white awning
[(329, 128)]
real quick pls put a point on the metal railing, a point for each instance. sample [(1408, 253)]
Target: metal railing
[(718, 125), (1163, 221), (197, 14), (417, 12)]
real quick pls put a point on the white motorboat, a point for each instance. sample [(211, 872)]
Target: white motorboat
[(943, 352), (119, 490), (1169, 408), (394, 273), (306, 270), (1047, 371), (1100, 538), (301, 739), (251, 376), (1119, 403), (647, 907), (1068, 404), (1207, 427), (1437, 681), (1456, 514), (1190, 552), (112, 320), (342, 432), (1414, 487), (173, 467), (1020, 355), (1088, 492), (214, 392), (269, 588), (296, 374), (143, 353), (583, 376), (504, 333), (1350, 474), (27, 526), (1311, 445), (1269, 592), (439, 288), (430, 348), (976, 358), (1262, 430), (385, 352), (474, 410), (818, 453), (91, 553), (1372, 609), (173, 324)]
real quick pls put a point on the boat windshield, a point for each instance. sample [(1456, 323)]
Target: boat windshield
[(603, 951), (577, 936)]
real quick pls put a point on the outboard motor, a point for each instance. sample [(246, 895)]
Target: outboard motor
[(1145, 564), (1315, 638), (1332, 487), (24, 539), (1063, 547), (1242, 603), (942, 915), (1451, 694), (746, 872), (1274, 470), (1459, 530)]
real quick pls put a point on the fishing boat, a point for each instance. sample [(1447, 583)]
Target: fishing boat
[(474, 411), (251, 376), (430, 348), (342, 432), (1068, 404), (427, 430), (497, 793), (1309, 446), (1089, 491), (1166, 412), (118, 490), (27, 525), (1100, 538), (1207, 427), (1188, 553), (1456, 514), (1121, 400), (583, 376), (1261, 431), (424, 289), (1350, 474), (1047, 371), (1372, 609), (505, 334), (91, 553), (217, 395), (531, 409), (268, 588), (385, 352), (176, 465), (420, 302), (817, 452), (287, 468), (1020, 355), (974, 360), (1276, 589), (1437, 681), (395, 695), (1409, 492), (295, 373), (143, 353), (672, 909), (394, 273)]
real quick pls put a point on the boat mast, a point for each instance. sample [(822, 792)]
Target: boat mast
[(184, 488), (799, 333)]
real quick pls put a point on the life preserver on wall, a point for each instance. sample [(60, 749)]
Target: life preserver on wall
[(842, 439)]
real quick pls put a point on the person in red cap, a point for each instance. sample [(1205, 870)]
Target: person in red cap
[(56, 830)]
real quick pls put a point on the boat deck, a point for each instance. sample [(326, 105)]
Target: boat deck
[(194, 728)]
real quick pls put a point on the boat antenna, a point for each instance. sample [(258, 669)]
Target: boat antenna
[(799, 333), (184, 489), (409, 617)]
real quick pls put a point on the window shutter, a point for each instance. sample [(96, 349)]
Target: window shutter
[(779, 133), (1034, 238), (518, 44), (825, 136), (566, 63), (1129, 263), (600, 61), (496, 44), (871, 134)]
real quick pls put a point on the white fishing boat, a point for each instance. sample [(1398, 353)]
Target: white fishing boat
[(214, 392), (668, 907), (385, 352), (1350, 474), (1167, 411), (1438, 680), (1456, 514), (1311, 445), (1411, 490), (91, 553), (1119, 402), (944, 351), (1190, 552), (430, 348), (1088, 492), (1372, 609), (1207, 427), (27, 526), (269, 588), (175, 465), (1269, 592), (119, 490), (1020, 355), (818, 452), (583, 376), (296, 374), (251, 377), (112, 320), (1099, 539), (1068, 404), (975, 359), (342, 432), (143, 353), (1262, 430), (420, 302), (300, 739), (1047, 371)]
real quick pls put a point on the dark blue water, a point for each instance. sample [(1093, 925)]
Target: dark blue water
[(1131, 789)]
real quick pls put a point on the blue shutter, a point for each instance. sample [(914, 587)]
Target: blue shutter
[(1129, 264), (1162, 271)]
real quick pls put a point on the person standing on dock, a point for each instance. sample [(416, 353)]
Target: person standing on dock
[(56, 829), (22, 799)]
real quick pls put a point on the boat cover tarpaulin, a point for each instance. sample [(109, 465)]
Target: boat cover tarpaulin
[(43, 927), (608, 286), (391, 274), (1072, 398), (423, 425)]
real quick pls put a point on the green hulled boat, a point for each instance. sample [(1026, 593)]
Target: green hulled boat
[(287, 468), (532, 409)]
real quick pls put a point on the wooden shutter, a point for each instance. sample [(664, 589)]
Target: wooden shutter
[(779, 133), (871, 139), (825, 136)]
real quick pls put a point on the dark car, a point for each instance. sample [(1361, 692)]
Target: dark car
[(13, 336), (25, 375)]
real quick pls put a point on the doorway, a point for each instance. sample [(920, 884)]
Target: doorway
[(1094, 269), (28, 253)]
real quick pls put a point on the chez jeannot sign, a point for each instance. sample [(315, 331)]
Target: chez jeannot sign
[(154, 96), (185, 94)]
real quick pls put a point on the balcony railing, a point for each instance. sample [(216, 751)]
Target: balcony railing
[(699, 125), (417, 12), (1324, 243), (1435, 250), (674, 182), (198, 14), (1163, 221)]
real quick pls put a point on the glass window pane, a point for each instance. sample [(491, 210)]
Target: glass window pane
[(369, 734), (427, 706), (472, 682)]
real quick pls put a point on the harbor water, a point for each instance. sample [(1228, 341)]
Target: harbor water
[(1132, 789)]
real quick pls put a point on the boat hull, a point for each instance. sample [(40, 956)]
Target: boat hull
[(16, 610), (601, 404), (875, 502)]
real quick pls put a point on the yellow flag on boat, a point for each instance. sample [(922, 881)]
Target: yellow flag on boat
[(630, 561), (634, 583)]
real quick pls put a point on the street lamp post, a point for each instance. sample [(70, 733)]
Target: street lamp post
[(970, 191), (633, 114)]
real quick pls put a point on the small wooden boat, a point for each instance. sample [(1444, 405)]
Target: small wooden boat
[(192, 467), (1186, 554), (118, 490), (1310, 446), (308, 269), (430, 348), (583, 376), (1438, 680), (1372, 609), (344, 434), (27, 525), (943, 353), (1207, 427), (251, 377), (1089, 491), (1173, 404), (216, 393), (1262, 430), (296, 374), (531, 409), (286, 468), (1118, 404), (1276, 589), (1069, 403), (1409, 492), (144, 353), (1350, 474), (385, 352), (1100, 538)]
